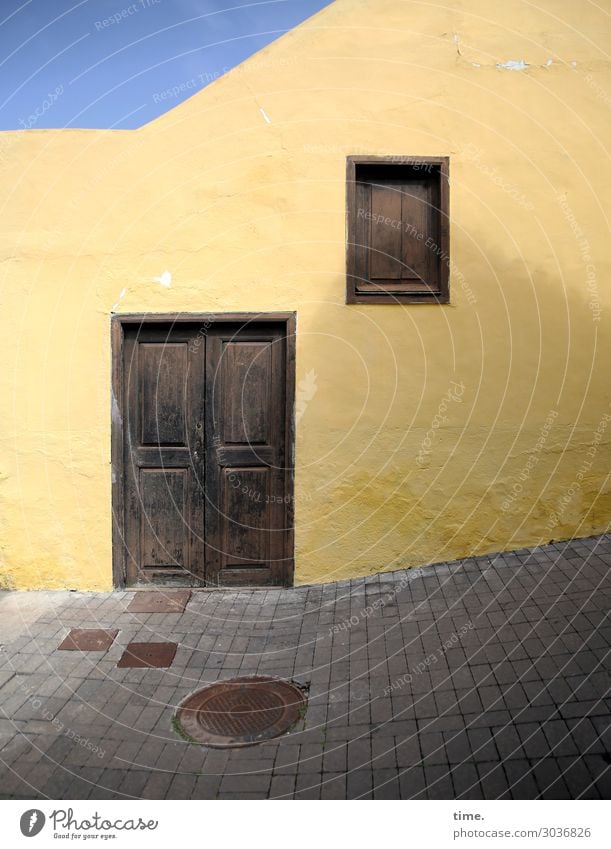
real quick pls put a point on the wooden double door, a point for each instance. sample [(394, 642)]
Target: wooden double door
[(204, 495)]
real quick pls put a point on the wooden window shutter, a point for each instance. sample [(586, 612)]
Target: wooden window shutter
[(397, 230)]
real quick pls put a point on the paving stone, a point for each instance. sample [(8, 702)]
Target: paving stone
[(578, 778), (548, 776), (438, 782), (206, 786), (521, 781), (245, 783), (159, 601), (359, 754), (359, 784), (333, 785), (466, 783), (282, 787), (412, 783), (386, 784), (88, 639), (147, 655), (182, 786), (493, 780)]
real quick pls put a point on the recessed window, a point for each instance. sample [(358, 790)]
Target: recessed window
[(398, 245)]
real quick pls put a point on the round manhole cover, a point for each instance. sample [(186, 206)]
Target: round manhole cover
[(241, 711)]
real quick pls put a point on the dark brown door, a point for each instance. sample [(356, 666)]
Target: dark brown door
[(207, 495), (246, 456)]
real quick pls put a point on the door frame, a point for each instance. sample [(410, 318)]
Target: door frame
[(118, 323)]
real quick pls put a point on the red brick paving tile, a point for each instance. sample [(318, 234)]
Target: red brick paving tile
[(88, 639), (159, 601), (148, 655)]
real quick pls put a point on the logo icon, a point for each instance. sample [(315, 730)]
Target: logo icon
[(32, 822)]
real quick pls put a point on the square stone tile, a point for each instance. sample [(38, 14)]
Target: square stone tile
[(159, 601), (88, 639), (148, 655)]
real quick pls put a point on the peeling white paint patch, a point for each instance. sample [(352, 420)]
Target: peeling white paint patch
[(115, 412), (306, 390), (476, 64), (265, 115), (122, 294), (513, 65), (549, 62), (573, 63), (165, 279), (455, 38)]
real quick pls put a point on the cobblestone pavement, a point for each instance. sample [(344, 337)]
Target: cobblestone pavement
[(483, 678)]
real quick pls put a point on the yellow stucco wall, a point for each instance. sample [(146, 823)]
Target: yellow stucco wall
[(239, 193)]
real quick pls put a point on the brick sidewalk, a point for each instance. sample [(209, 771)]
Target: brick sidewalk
[(484, 678)]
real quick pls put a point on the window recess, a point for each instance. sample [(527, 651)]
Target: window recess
[(398, 230)]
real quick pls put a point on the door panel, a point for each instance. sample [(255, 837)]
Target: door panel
[(247, 370), (246, 458), (164, 377), (206, 484), (386, 232), (163, 533), (163, 393), (245, 494)]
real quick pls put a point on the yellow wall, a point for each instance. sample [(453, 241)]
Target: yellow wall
[(248, 214)]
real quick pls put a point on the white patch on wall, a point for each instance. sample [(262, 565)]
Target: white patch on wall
[(513, 65), (164, 279), (115, 412), (122, 294), (306, 390), (265, 115)]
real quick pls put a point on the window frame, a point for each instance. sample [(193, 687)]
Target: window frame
[(353, 296)]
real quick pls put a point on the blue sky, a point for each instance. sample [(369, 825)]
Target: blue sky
[(121, 63)]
